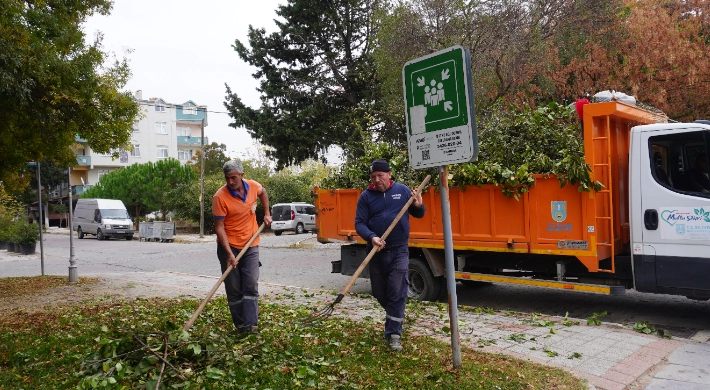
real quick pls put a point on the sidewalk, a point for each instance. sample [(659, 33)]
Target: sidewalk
[(608, 356)]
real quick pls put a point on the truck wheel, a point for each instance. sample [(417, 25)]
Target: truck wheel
[(277, 232), (129, 238), (100, 235), (80, 233), (423, 286), (300, 229)]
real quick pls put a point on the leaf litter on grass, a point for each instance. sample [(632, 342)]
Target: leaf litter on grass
[(140, 343)]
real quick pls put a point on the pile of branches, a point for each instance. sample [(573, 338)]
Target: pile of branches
[(514, 145), (170, 356)]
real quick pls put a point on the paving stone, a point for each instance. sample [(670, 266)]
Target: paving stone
[(664, 384), (693, 355), (687, 374), (596, 366)]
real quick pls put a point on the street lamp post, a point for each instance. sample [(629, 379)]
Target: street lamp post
[(73, 271), (41, 220), (202, 178)]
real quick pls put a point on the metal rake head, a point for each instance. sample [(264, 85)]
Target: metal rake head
[(324, 313), (319, 315)]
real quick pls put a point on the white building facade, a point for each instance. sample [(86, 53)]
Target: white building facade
[(167, 130)]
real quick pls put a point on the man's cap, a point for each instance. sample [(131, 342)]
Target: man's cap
[(379, 165)]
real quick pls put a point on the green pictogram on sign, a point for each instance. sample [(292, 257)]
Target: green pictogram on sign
[(435, 89), (441, 126)]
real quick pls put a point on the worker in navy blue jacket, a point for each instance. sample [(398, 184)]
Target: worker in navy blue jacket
[(377, 207)]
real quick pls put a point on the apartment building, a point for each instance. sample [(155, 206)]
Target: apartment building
[(166, 130)]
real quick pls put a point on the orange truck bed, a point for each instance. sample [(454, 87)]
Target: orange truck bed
[(554, 220)]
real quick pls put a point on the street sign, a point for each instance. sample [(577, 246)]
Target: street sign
[(441, 120)]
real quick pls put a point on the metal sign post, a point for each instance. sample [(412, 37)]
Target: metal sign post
[(441, 130)]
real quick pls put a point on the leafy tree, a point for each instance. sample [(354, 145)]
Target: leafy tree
[(284, 187), (318, 83), (143, 188), (656, 51), (54, 86), (184, 200), (214, 159), (511, 42), (161, 177), (10, 211)]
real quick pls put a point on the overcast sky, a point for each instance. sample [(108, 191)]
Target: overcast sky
[(182, 50)]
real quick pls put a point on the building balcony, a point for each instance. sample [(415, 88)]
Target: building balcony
[(83, 160), (79, 189), (190, 141)]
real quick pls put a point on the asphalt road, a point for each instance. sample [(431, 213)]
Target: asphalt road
[(285, 264)]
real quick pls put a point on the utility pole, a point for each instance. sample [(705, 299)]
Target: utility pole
[(202, 176)]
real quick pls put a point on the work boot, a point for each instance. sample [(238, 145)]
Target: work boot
[(245, 332), (395, 342)]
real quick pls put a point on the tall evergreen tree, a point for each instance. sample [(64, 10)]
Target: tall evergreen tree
[(318, 82)]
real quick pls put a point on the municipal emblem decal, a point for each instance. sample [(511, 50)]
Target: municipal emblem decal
[(559, 210), (680, 229)]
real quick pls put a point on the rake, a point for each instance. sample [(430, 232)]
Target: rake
[(328, 310), (229, 269)]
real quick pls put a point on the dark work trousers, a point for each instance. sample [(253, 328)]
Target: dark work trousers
[(242, 287), (389, 270)]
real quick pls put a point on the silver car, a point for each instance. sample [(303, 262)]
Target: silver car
[(298, 217)]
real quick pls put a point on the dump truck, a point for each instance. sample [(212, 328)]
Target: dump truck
[(647, 229)]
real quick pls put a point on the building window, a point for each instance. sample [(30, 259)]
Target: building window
[(184, 154), (103, 172), (183, 131), (135, 127), (189, 110), (161, 127), (162, 151), (159, 106), (136, 152)]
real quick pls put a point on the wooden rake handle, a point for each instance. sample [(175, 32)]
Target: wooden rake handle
[(192, 320), (386, 233)]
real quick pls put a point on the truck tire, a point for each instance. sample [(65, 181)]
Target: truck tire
[(423, 286), (100, 235), (129, 238), (80, 233), (300, 229), (277, 232)]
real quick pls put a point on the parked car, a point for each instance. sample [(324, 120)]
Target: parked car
[(102, 218), (298, 217)]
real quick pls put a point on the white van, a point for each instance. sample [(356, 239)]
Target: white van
[(102, 218), (298, 217)]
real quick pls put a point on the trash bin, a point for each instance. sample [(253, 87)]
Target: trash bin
[(167, 233), (145, 231), (157, 230)]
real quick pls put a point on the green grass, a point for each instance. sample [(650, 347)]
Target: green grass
[(96, 344)]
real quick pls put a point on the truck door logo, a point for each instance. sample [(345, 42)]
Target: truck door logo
[(680, 229), (559, 210)]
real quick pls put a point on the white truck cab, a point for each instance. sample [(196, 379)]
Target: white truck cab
[(670, 208)]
